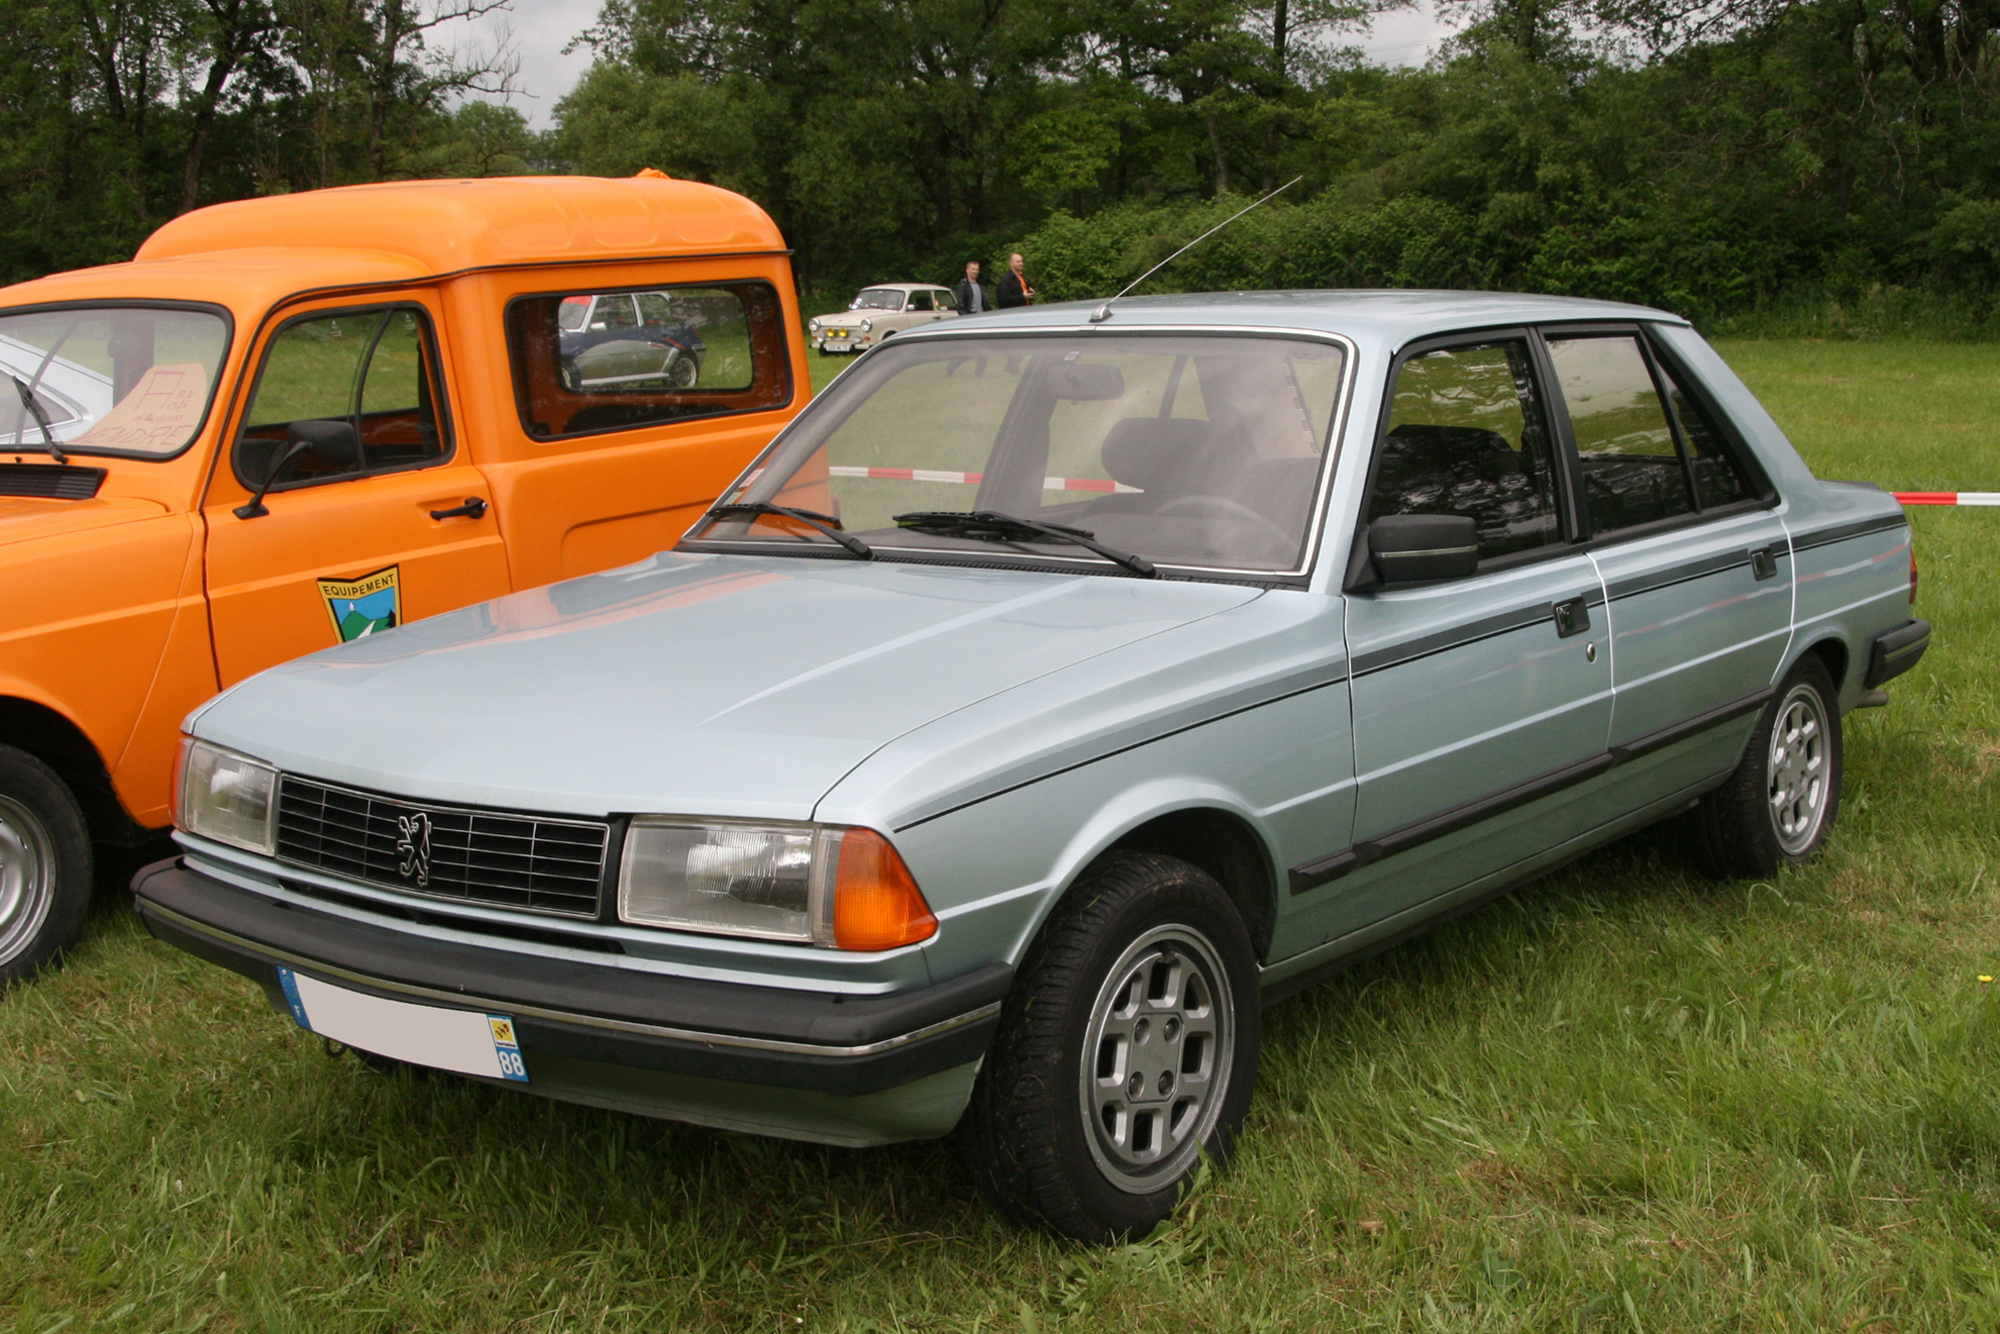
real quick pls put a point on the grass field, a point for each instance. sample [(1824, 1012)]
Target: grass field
[(1623, 1099)]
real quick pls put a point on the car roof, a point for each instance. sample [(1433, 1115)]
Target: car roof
[(251, 252), (906, 287), (1389, 314)]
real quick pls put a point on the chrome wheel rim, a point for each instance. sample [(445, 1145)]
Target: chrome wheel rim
[(27, 878), (1156, 1058), (1798, 770)]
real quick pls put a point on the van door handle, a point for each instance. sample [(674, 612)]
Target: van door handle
[(473, 508), (1572, 617)]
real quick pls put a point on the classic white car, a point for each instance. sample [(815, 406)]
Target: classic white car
[(878, 312)]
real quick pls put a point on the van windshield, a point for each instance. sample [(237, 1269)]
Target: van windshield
[(127, 380), (1203, 451)]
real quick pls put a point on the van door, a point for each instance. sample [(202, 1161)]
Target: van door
[(374, 515)]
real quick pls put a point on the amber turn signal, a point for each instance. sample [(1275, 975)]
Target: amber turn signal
[(876, 902)]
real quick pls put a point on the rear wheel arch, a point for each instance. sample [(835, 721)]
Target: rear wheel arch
[(53, 739), (1832, 653)]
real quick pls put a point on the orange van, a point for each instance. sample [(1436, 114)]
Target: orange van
[(294, 421)]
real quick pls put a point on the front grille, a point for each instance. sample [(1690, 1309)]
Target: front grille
[(489, 857)]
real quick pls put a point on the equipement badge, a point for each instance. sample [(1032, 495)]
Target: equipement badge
[(364, 606)]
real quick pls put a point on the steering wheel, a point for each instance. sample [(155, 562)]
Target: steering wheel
[(1224, 507)]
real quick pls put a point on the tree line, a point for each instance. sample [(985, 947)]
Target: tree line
[(1715, 156)]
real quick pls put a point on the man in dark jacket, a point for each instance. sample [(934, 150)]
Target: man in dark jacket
[(1014, 289), (971, 296)]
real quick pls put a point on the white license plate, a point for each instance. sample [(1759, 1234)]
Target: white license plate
[(463, 1041)]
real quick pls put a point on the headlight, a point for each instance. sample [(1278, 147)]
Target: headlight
[(814, 884), (866, 325), (225, 796), (813, 324)]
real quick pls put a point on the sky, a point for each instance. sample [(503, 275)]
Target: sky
[(538, 30)]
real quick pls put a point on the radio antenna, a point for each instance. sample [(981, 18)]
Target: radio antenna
[(1103, 312)]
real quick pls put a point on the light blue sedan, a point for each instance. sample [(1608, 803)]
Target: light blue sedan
[(1048, 697)]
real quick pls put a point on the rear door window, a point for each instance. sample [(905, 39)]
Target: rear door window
[(1634, 471)]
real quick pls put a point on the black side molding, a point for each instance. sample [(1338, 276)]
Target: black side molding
[(1311, 875), (1894, 652)]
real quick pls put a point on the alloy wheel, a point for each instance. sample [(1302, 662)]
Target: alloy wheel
[(1797, 769), (1156, 1058)]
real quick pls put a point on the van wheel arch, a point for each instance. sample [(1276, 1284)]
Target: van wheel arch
[(61, 744)]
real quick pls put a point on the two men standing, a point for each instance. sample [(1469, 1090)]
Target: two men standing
[(1014, 289)]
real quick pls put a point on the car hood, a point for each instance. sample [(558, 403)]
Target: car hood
[(23, 518), (713, 685)]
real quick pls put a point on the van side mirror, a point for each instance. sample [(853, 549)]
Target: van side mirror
[(332, 443), (1423, 548)]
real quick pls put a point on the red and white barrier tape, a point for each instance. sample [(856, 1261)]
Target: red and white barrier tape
[(974, 478), (1948, 497)]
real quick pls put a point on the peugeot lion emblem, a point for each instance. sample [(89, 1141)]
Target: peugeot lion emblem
[(413, 848)]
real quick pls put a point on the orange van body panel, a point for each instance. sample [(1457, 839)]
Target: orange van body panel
[(124, 612)]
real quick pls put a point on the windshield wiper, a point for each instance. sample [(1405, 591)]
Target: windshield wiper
[(824, 523), (29, 402), (1006, 527)]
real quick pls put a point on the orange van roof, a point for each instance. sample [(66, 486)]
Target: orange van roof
[(449, 226), (255, 252)]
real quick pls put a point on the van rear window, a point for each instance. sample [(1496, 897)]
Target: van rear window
[(588, 362)]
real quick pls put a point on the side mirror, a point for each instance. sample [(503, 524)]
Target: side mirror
[(333, 443), (1423, 548)]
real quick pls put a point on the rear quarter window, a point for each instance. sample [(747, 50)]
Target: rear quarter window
[(585, 363)]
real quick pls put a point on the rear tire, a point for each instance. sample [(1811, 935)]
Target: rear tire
[(1777, 809), (45, 866), (1126, 1055)]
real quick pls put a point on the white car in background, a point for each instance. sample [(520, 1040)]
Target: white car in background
[(878, 312)]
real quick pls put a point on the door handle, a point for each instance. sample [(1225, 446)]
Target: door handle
[(473, 508), (1764, 563), (1572, 617)]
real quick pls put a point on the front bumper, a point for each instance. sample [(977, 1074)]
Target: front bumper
[(856, 1070)]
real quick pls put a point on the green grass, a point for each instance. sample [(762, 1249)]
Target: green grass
[(1622, 1099)]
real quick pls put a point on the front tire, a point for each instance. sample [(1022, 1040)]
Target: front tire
[(45, 866), (1777, 809), (1126, 1055)]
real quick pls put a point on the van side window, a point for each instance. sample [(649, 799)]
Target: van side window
[(690, 352), (1465, 438), (1633, 469), (372, 369)]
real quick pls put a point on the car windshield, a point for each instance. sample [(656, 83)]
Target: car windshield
[(1184, 450), (119, 380), (878, 298)]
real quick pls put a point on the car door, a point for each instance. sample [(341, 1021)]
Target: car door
[(344, 545), (1479, 704), (1696, 565)]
